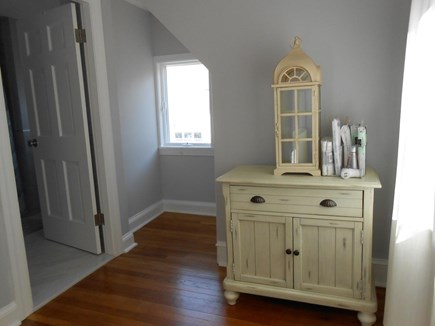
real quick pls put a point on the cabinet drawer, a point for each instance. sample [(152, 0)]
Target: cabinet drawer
[(297, 200)]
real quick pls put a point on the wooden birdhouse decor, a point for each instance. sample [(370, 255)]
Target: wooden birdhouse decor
[(296, 84)]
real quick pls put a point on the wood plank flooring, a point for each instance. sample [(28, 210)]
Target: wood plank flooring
[(171, 278)]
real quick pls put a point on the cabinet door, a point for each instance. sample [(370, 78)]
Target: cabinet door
[(259, 244), (329, 259)]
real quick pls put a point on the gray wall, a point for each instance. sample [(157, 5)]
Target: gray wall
[(164, 42), (189, 178), (127, 33), (359, 44)]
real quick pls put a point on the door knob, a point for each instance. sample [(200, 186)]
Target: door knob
[(288, 251), (296, 252), (32, 142)]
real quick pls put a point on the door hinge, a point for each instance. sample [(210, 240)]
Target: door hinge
[(99, 219), (231, 226), (80, 35), (234, 270), (362, 236)]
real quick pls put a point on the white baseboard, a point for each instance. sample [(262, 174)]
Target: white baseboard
[(139, 220), (379, 266), (128, 242), (221, 247), (380, 271), (189, 207), (9, 315), (144, 217), (150, 213)]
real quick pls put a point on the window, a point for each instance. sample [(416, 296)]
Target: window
[(183, 102)]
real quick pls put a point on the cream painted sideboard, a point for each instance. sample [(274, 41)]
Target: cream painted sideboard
[(301, 238)]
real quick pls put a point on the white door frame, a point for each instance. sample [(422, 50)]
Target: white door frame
[(21, 305), (21, 300), (102, 125)]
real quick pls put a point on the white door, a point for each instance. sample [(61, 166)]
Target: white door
[(57, 112)]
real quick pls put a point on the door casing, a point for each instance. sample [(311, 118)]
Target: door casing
[(95, 56)]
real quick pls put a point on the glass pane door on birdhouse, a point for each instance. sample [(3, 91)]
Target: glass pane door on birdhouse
[(296, 152), (295, 122), (287, 101), (304, 100)]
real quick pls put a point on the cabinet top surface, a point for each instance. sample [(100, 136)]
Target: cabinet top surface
[(263, 175)]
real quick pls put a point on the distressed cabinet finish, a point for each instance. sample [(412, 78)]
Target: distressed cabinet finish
[(300, 237)]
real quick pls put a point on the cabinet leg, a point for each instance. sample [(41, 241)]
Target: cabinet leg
[(231, 297), (366, 319)]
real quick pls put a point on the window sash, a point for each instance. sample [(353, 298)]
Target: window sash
[(162, 63)]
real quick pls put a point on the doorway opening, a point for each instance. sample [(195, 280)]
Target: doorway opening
[(53, 267)]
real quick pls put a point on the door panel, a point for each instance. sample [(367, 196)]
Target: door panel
[(330, 256), (259, 249), (57, 113)]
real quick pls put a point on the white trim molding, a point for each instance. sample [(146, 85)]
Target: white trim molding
[(128, 242), (8, 315), (221, 248), (186, 151), (189, 207), (95, 55), (380, 271), (14, 255), (142, 218)]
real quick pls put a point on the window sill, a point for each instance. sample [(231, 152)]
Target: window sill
[(186, 151)]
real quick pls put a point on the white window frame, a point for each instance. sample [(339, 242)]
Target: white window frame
[(167, 148)]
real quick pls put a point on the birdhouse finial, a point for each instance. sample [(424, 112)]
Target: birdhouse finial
[(297, 42)]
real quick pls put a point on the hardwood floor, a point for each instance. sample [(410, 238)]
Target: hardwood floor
[(171, 278)]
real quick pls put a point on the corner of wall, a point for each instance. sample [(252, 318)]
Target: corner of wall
[(380, 271)]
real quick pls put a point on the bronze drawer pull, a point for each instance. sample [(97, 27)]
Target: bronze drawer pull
[(258, 200), (328, 203)]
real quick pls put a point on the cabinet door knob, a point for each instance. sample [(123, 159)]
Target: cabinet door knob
[(328, 203), (296, 252), (288, 251), (258, 200)]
